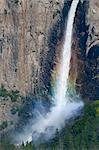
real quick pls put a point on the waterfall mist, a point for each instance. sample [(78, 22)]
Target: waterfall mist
[(44, 126)]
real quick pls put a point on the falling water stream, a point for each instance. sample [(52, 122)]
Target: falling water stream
[(63, 109), (62, 79)]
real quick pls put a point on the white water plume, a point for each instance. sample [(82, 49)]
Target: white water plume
[(62, 79), (63, 109)]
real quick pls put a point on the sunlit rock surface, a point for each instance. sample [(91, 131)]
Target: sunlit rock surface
[(25, 31)]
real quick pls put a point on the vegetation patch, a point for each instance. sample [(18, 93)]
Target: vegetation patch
[(3, 125), (14, 95), (14, 110), (82, 135), (3, 92)]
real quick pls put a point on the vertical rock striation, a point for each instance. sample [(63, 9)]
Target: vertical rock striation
[(92, 52), (87, 30), (25, 28)]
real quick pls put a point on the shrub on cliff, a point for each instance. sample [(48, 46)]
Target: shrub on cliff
[(3, 125), (14, 110), (12, 94), (3, 92)]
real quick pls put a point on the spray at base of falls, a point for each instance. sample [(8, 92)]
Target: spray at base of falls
[(63, 109)]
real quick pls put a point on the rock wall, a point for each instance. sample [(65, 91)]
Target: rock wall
[(92, 52), (93, 22), (88, 55), (25, 28)]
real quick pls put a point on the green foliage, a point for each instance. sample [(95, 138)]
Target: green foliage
[(6, 145), (3, 125), (97, 111), (3, 92), (96, 105), (12, 94), (14, 110), (29, 146)]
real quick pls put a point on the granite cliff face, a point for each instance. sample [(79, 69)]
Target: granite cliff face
[(88, 68), (85, 50), (25, 28), (92, 51)]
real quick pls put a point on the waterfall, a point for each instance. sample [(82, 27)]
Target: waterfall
[(62, 79), (46, 124)]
